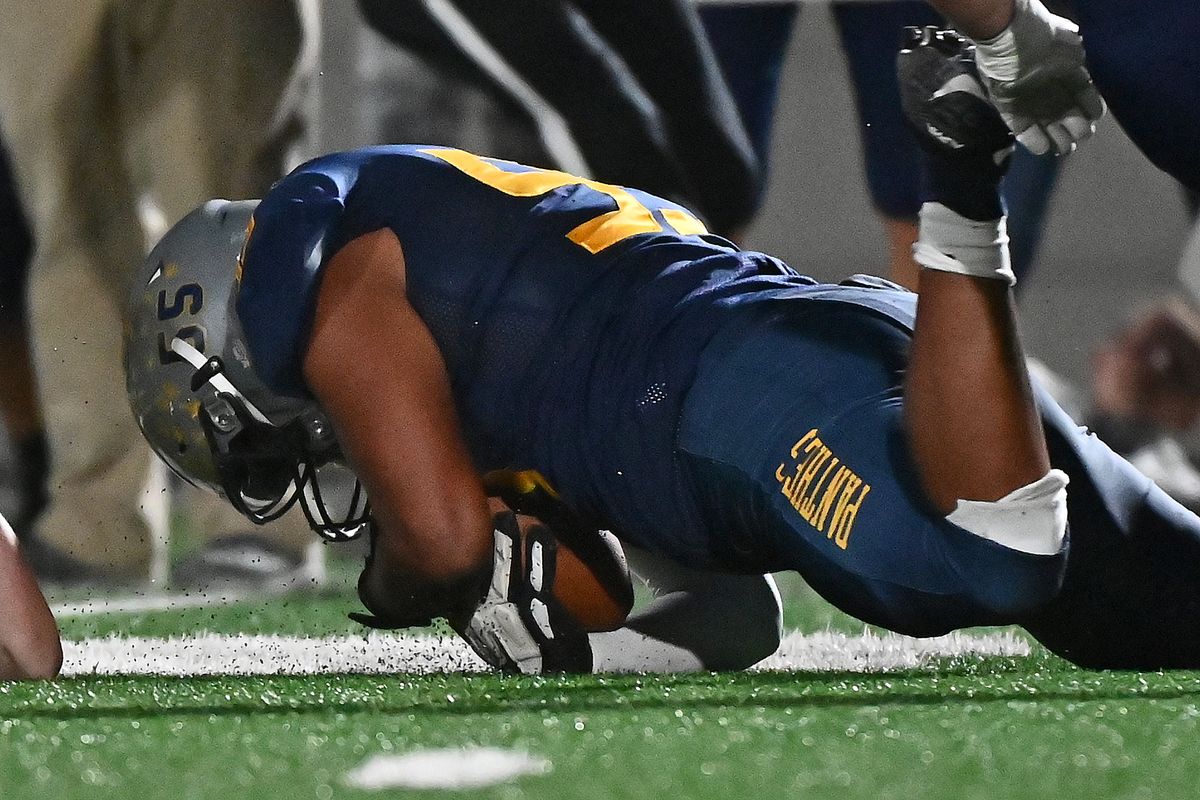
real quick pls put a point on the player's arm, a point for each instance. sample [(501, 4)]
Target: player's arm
[(972, 422), (439, 548), (377, 372), (1032, 63), (979, 19), (29, 643)]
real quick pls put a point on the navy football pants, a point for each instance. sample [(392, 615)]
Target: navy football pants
[(1145, 58), (1124, 592)]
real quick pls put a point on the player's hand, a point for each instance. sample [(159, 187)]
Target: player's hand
[(1034, 71), (397, 599), (946, 106), (520, 626), (1151, 370)]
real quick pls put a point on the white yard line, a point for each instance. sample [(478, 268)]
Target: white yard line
[(383, 653)]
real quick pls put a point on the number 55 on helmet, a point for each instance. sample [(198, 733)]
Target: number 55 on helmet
[(193, 389)]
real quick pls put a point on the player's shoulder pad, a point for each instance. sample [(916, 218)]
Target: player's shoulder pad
[(293, 232)]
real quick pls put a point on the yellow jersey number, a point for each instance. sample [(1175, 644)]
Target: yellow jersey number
[(629, 219)]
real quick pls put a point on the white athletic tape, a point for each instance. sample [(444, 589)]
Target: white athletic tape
[(949, 242), (1032, 519), (379, 653)]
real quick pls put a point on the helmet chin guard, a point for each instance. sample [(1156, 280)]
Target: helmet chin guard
[(264, 469)]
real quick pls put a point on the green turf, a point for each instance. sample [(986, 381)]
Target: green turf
[(1024, 728), (989, 730)]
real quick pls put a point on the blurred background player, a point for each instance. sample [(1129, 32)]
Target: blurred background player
[(623, 91), (120, 115), (19, 408)]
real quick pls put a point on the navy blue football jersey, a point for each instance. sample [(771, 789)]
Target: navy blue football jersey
[(570, 313)]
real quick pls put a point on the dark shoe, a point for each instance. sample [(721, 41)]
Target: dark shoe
[(245, 562)]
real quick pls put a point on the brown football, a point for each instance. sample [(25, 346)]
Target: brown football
[(591, 578), (596, 590)]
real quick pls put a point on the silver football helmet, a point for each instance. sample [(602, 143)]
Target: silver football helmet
[(197, 399)]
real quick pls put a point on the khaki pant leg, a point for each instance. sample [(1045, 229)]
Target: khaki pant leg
[(205, 82), (56, 90)]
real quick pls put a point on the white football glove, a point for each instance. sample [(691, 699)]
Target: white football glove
[(520, 626), (1035, 74)]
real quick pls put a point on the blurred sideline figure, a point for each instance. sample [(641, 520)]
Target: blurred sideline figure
[(633, 89), (1146, 385), (1142, 57), (115, 110), (751, 41), (19, 408)]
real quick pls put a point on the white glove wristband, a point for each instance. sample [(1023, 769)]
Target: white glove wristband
[(949, 242), (1034, 72), (998, 58)]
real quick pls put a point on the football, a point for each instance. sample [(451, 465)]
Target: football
[(591, 579)]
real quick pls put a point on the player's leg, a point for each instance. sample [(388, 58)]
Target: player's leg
[(750, 42), (1145, 62), (697, 621), (1131, 595), (65, 148), (193, 139), (19, 407), (869, 32), (794, 446)]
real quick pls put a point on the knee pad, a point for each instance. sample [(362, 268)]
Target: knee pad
[(1032, 519)]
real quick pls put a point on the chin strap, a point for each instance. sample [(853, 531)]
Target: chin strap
[(211, 371), (226, 415)]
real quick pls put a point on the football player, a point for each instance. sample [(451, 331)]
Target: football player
[(1144, 60), (444, 327), (29, 643)]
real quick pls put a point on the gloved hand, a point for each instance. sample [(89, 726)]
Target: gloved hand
[(520, 626), (1035, 74), (968, 146), (947, 109), (410, 604)]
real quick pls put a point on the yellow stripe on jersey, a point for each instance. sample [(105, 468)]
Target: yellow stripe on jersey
[(629, 219), (683, 222)]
